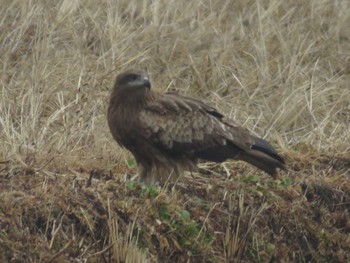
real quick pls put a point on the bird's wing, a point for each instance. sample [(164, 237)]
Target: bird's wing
[(181, 124)]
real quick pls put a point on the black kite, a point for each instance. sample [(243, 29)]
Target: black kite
[(168, 131)]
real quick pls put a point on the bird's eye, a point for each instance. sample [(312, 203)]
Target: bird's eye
[(133, 77)]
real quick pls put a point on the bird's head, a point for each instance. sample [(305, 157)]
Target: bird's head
[(132, 80)]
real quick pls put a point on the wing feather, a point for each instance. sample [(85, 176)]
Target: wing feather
[(183, 125)]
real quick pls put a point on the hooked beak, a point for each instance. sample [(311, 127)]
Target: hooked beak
[(146, 83)]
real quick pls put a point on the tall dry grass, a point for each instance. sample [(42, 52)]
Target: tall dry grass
[(281, 68)]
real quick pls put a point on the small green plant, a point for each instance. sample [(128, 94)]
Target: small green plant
[(132, 185), (251, 178), (163, 212), (131, 163), (286, 182), (184, 215), (186, 230), (151, 191)]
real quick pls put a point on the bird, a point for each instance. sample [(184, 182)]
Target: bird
[(169, 133)]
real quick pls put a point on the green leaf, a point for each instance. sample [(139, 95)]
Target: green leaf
[(286, 182), (153, 191), (132, 185), (131, 163), (163, 212), (185, 215)]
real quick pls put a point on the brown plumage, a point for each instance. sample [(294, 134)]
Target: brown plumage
[(170, 132)]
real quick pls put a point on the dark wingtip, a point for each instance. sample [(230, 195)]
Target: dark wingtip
[(265, 147), (265, 157)]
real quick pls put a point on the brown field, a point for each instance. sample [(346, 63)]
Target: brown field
[(279, 68)]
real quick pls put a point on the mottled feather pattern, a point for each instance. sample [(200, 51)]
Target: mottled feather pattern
[(168, 132), (183, 122)]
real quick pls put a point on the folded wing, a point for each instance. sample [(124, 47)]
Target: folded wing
[(182, 126)]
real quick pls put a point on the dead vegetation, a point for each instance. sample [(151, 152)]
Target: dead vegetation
[(280, 68), (246, 218)]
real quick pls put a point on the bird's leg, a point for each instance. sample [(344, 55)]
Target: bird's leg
[(145, 174)]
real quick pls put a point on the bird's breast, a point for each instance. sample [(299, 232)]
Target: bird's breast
[(123, 123)]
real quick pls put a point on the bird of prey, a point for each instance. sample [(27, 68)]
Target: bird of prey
[(170, 132)]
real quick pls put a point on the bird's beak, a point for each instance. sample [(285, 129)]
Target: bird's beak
[(146, 83)]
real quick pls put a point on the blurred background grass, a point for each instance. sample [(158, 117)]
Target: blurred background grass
[(281, 68)]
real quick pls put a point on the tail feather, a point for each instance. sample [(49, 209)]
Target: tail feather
[(263, 156), (263, 146), (263, 161)]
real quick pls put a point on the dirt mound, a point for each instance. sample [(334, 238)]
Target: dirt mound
[(95, 216)]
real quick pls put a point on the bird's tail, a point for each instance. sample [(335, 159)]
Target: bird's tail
[(263, 156)]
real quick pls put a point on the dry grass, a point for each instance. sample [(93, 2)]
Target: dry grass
[(281, 68)]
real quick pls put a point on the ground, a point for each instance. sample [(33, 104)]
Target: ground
[(279, 68)]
